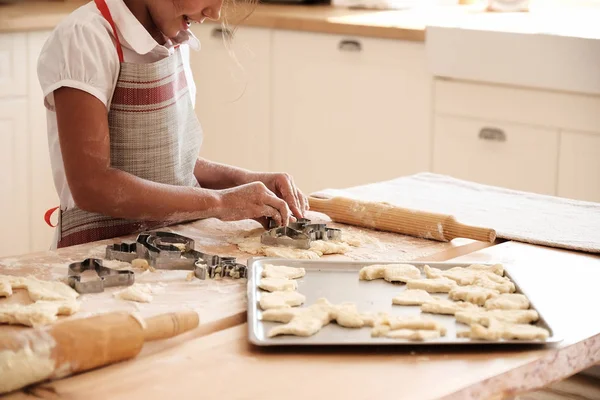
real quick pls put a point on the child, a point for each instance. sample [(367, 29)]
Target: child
[(123, 137)]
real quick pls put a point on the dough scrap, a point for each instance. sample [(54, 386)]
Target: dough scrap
[(281, 271), (371, 272), (277, 285), (436, 285), (38, 313), (498, 330), (508, 301), (472, 294), (5, 288), (401, 272), (483, 317), (413, 334), (142, 264), (142, 293), (281, 300), (443, 306), (412, 297)]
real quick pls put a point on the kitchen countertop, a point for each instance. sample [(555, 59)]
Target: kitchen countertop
[(407, 25)]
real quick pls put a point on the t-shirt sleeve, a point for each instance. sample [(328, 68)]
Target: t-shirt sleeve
[(80, 56)]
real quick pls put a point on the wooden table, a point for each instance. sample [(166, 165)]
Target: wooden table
[(216, 361)]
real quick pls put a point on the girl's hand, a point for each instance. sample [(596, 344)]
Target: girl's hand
[(284, 187), (252, 201)]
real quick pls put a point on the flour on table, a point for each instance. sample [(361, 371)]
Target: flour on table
[(508, 301), (483, 317), (282, 271), (412, 297), (281, 300), (443, 306), (139, 292), (277, 284), (473, 294), (38, 313), (437, 285)]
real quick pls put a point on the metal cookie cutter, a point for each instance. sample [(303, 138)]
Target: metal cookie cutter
[(298, 234), (166, 250), (108, 277)]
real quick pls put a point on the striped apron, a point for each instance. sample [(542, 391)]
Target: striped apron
[(154, 134)]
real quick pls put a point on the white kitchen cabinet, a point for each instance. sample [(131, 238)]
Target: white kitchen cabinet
[(348, 110), (43, 193), (14, 164), (13, 59), (496, 153), (579, 166), (233, 92)]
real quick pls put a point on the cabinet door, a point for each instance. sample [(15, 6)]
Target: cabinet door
[(579, 166), (500, 154), (13, 58), (43, 193), (232, 100), (14, 202), (347, 110)]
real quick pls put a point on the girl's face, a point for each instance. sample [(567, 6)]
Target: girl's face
[(174, 16)]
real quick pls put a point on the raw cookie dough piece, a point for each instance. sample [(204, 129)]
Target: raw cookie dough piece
[(443, 306), (180, 246), (508, 301), (371, 272), (415, 322), (413, 334), (142, 264), (506, 287), (5, 288), (401, 272), (49, 290), (281, 271), (498, 330), (284, 315), (329, 247), (473, 294), (483, 317), (307, 322), (38, 313), (347, 315), (497, 269), (372, 320), (437, 285), (277, 285), (142, 293), (288, 252), (281, 300), (412, 297), (380, 330), (465, 276)]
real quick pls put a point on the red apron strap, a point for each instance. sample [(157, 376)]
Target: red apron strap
[(103, 8), (48, 215)]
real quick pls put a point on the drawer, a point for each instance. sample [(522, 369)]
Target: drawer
[(13, 65), (500, 154), (579, 166), (519, 105)]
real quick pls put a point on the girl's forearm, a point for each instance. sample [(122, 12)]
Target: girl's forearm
[(213, 175)]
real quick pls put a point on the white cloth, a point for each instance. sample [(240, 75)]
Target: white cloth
[(81, 53)]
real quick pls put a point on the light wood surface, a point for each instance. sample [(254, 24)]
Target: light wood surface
[(390, 218), (225, 365)]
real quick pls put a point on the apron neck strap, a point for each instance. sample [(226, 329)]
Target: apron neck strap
[(103, 8)]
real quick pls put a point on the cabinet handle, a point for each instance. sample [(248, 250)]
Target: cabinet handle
[(222, 33), (350, 45), (494, 134)]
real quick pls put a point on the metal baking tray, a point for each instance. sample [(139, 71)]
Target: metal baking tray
[(338, 282)]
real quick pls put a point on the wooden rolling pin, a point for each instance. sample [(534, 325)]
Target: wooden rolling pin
[(387, 217), (33, 355)]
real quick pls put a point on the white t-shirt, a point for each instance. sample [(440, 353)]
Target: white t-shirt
[(81, 54)]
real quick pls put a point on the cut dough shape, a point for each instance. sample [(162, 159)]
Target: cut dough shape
[(284, 315), (281, 271), (307, 321), (443, 306), (380, 330), (437, 285), (281, 300), (413, 334), (415, 322), (465, 276), (472, 294), (277, 285), (347, 315), (288, 252), (497, 269), (371, 272), (38, 313), (498, 330), (483, 317), (5, 288), (506, 287), (508, 301), (326, 247), (141, 293), (401, 273), (412, 297)]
